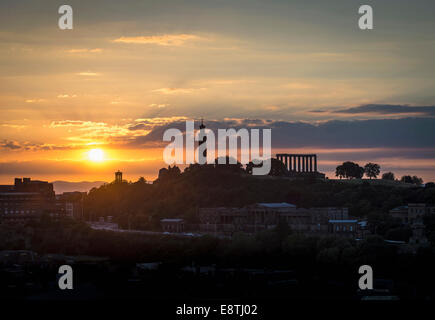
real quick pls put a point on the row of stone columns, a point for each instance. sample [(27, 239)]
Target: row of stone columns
[(299, 162)]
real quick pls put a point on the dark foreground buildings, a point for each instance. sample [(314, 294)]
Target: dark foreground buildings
[(262, 216), (28, 199)]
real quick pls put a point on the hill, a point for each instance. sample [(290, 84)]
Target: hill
[(82, 186), (181, 194)]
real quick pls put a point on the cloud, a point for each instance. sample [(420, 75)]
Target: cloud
[(30, 146), (96, 50), (34, 100), (13, 126), (11, 145), (88, 74), (155, 105), (148, 132), (65, 96), (76, 123), (377, 133), (177, 90), (384, 109), (162, 40), (272, 108)]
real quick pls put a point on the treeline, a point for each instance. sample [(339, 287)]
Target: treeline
[(352, 170)]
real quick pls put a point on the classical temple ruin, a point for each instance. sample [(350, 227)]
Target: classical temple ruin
[(300, 164)]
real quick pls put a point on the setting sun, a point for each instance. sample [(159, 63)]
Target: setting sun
[(96, 155)]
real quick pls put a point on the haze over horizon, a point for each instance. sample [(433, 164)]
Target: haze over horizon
[(129, 70)]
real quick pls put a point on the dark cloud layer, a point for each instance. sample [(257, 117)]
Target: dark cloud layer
[(382, 133), (384, 109)]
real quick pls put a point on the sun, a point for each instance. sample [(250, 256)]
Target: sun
[(96, 155)]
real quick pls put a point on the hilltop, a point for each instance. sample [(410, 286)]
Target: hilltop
[(177, 194)]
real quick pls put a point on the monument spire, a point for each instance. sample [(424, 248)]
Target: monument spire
[(204, 138)]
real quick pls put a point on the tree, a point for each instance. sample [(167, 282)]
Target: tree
[(339, 172), (388, 176), (141, 180), (399, 234), (349, 170), (229, 164), (414, 180), (169, 174), (277, 168), (429, 185), (372, 170), (282, 229), (406, 179)]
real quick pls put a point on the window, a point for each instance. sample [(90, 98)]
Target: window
[(351, 228)]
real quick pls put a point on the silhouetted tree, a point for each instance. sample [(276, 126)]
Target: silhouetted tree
[(277, 168), (237, 166), (349, 170), (141, 180), (372, 170), (170, 173), (406, 179), (340, 172), (388, 176), (414, 180)]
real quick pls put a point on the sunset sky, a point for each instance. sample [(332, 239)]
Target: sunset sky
[(130, 69)]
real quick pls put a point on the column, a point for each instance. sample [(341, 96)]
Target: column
[(285, 162), (315, 163), (311, 163), (299, 163)]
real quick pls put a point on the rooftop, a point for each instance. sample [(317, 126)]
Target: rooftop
[(171, 220), (276, 205), (400, 208)]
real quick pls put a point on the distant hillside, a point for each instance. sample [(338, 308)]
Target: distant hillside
[(66, 186), (141, 205)]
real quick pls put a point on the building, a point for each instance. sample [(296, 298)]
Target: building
[(418, 237), (118, 177), (400, 213), (412, 212), (172, 225), (70, 204), (26, 198), (346, 227), (300, 165), (203, 140), (263, 216)]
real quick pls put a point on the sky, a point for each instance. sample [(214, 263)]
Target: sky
[(130, 69)]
